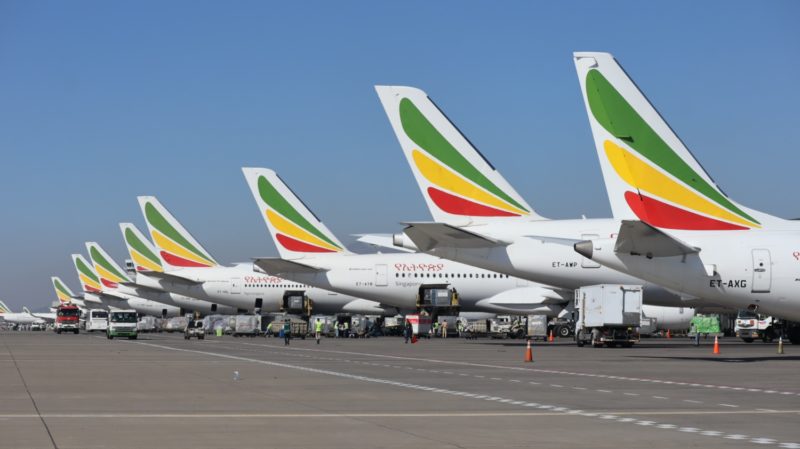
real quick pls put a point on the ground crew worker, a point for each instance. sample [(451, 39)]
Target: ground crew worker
[(269, 330), (444, 329), (435, 328), (287, 332), (459, 328), (407, 330), (346, 326), (318, 329)]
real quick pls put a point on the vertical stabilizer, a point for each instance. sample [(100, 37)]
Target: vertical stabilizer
[(649, 173), (176, 246), (110, 274), (458, 183), (90, 282), (63, 292), (294, 228), (143, 253)]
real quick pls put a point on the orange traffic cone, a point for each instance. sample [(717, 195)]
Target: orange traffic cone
[(551, 338), (716, 345), (669, 334), (529, 353)]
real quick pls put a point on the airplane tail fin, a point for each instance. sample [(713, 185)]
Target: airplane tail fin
[(176, 246), (143, 253), (4, 308), (63, 292), (458, 183), (649, 173), (294, 228), (110, 274), (90, 282), (26, 310)]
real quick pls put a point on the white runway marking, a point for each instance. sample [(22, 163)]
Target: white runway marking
[(564, 411)]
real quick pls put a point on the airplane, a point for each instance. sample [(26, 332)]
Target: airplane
[(19, 318), (187, 268), (95, 295), (480, 219), (116, 282), (678, 228), (310, 253)]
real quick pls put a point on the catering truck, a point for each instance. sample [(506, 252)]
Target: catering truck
[(67, 319), (608, 314)]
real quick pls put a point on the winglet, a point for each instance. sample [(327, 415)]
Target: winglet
[(294, 228), (176, 246), (649, 173), (458, 183), (143, 253)]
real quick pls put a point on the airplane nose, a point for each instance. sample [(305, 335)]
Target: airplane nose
[(584, 248)]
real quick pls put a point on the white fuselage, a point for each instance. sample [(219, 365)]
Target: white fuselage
[(118, 301), (749, 268), (240, 287), (21, 318), (396, 279), (173, 299)]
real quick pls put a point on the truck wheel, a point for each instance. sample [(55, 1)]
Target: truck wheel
[(77, 331), (58, 331), (563, 331), (132, 337), (747, 340), (201, 337), (579, 339), (186, 337), (110, 337)]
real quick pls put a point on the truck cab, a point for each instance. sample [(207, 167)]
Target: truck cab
[(67, 319), (122, 323), (751, 325)]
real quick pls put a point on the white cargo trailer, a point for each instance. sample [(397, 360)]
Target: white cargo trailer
[(608, 314)]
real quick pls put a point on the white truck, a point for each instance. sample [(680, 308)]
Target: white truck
[(96, 320), (608, 314), (122, 323), (750, 325)]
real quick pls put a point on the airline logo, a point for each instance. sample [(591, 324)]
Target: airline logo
[(4, 308), (63, 293), (90, 281), (293, 231), (143, 257), (665, 191), (458, 187), (175, 249), (110, 276)]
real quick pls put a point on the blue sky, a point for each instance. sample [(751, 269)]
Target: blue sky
[(103, 101)]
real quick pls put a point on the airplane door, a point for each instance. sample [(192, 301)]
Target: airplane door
[(381, 275), (762, 272), (589, 263), (236, 286)]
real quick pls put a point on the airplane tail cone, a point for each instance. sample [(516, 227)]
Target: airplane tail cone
[(551, 338), (780, 345), (716, 345), (529, 353)]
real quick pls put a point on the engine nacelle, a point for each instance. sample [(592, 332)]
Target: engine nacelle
[(402, 241), (525, 301), (674, 318)]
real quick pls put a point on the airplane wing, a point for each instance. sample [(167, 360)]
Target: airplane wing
[(277, 266), (172, 276), (638, 237), (428, 235), (382, 241)]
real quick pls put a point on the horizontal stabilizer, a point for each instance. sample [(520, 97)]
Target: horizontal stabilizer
[(277, 266), (429, 235), (556, 240), (638, 237), (382, 241)]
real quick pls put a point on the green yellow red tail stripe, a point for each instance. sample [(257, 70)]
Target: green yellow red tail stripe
[(175, 249)]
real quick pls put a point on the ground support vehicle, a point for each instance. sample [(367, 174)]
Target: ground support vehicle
[(247, 326), (67, 319), (750, 326), (195, 329), (537, 327), (96, 320), (608, 314), (122, 323), (706, 325)]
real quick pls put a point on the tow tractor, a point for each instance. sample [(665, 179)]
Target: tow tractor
[(751, 325)]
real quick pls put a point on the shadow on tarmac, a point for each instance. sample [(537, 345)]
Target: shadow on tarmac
[(785, 358)]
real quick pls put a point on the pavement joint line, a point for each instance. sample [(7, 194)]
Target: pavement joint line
[(569, 373), (566, 411)]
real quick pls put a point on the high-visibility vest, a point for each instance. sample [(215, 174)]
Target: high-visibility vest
[(318, 326)]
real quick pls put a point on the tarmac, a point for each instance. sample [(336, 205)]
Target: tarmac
[(84, 391)]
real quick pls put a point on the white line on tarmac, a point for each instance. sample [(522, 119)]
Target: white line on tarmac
[(568, 373), (565, 411)]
